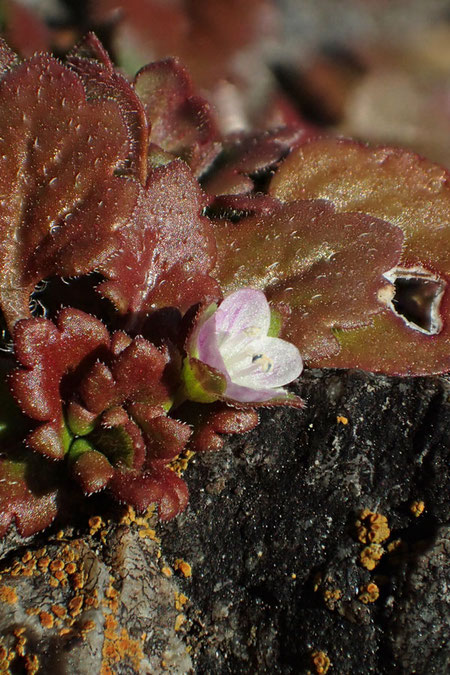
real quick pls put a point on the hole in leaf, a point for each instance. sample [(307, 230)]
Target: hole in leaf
[(417, 298)]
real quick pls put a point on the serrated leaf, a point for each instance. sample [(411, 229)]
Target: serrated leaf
[(60, 202), (102, 81), (48, 352), (165, 255), (321, 270)]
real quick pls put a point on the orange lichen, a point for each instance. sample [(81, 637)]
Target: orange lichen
[(70, 568), (43, 563), (341, 419), (180, 463), (75, 605), (320, 662), (95, 523), (331, 597), (182, 566), (56, 565), (371, 527), (417, 508), (78, 580), (180, 600), (371, 555), (369, 593), (118, 645), (31, 664), (46, 619), (59, 611), (8, 594), (166, 571)]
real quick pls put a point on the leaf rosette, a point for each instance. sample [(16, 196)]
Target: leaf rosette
[(101, 402)]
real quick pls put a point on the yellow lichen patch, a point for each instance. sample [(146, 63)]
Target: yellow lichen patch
[(371, 527), (341, 419), (87, 627), (8, 594), (166, 571), (331, 597), (70, 568), (180, 600), (75, 605), (182, 566), (371, 555), (60, 535), (180, 463), (31, 664), (369, 593), (95, 523), (43, 563), (417, 508), (179, 621), (78, 580), (320, 661), (46, 619)]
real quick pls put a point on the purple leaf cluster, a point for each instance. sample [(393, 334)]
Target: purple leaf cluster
[(195, 272)]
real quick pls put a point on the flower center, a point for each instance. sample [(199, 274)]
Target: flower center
[(263, 362)]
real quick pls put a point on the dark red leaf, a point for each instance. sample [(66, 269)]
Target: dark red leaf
[(210, 422), (32, 508), (162, 486), (48, 352), (320, 269), (165, 256), (61, 200), (410, 192), (245, 156), (102, 81)]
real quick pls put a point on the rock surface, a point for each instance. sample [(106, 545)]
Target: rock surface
[(322, 536)]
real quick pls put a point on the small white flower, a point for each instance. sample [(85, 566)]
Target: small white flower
[(234, 340)]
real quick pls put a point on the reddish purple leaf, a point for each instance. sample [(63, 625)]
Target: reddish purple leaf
[(62, 201), (49, 352), (165, 256), (211, 422), (102, 81), (162, 486), (181, 122), (320, 269), (414, 194), (32, 509)]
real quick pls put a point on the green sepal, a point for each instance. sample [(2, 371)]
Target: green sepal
[(275, 323), (201, 383), (78, 448)]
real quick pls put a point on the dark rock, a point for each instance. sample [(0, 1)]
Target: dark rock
[(270, 533)]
